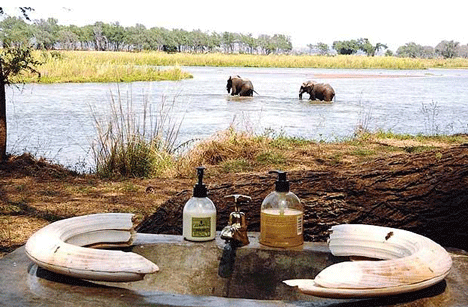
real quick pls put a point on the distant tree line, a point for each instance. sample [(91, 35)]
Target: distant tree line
[(48, 34), (445, 49), (348, 47)]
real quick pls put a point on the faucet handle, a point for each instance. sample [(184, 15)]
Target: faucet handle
[(236, 231), (239, 199)]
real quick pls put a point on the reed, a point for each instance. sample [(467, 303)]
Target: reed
[(135, 144)]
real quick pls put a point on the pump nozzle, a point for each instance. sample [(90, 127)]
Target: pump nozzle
[(199, 190), (281, 184), (200, 170)]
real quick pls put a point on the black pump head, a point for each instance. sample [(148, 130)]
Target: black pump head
[(281, 184), (200, 190)]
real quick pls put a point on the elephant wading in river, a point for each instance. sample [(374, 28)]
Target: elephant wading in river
[(239, 86), (320, 91)]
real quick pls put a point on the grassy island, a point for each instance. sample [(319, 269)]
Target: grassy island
[(90, 66)]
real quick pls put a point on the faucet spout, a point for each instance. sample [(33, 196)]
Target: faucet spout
[(226, 264)]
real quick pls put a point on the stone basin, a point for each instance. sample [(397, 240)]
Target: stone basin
[(188, 276)]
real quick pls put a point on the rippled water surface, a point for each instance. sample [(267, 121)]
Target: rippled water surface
[(56, 121)]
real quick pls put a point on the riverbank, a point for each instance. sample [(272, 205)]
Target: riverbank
[(105, 66), (35, 193)]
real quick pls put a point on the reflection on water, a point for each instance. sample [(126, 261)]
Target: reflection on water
[(56, 121)]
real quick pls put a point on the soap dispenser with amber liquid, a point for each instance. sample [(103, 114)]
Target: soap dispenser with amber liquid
[(281, 216)]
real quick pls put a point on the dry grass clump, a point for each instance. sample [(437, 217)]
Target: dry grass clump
[(228, 149), (225, 145), (234, 151)]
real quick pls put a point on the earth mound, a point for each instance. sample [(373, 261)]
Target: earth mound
[(425, 192)]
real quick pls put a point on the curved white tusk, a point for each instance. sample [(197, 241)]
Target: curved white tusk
[(58, 248), (411, 262)]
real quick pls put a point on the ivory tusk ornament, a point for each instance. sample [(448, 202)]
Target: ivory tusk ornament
[(60, 248), (410, 262)]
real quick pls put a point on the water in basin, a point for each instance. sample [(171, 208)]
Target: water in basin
[(192, 268), (188, 276)]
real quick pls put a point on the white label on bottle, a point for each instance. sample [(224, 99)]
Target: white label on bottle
[(299, 225)]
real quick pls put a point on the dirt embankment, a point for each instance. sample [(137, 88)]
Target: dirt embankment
[(426, 193), (34, 193)]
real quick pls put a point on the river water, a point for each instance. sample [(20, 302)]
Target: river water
[(56, 121)]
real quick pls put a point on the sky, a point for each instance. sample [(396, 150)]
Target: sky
[(393, 23)]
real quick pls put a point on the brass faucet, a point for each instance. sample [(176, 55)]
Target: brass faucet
[(236, 230)]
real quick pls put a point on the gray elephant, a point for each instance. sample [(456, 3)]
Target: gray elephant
[(240, 86), (320, 91)]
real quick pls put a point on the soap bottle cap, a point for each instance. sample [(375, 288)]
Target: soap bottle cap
[(200, 190), (281, 184)]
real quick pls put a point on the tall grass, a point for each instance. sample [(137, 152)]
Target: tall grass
[(287, 61), (79, 67), (135, 144)]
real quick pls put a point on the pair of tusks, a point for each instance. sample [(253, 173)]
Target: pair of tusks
[(59, 247), (410, 262)]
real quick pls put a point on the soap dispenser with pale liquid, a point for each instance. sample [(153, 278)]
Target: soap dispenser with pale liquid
[(281, 216), (199, 214)]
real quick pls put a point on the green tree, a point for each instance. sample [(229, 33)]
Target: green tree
[(13, 61), (214, 41), (321, 48), (368, 48), (115, 34), (248, 42), (462, 51), (46, 33), (156, 38), (100, 40), (346, 47), (447, 49), (413, 50), (67, 38), (228, 40), (200, 40), (14, 31), (86, 37), (183, 39), (170, 43), (266, 44), (282, 43)]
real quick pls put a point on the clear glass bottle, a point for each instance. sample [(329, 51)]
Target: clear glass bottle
[(199, 215), (281, 216)]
